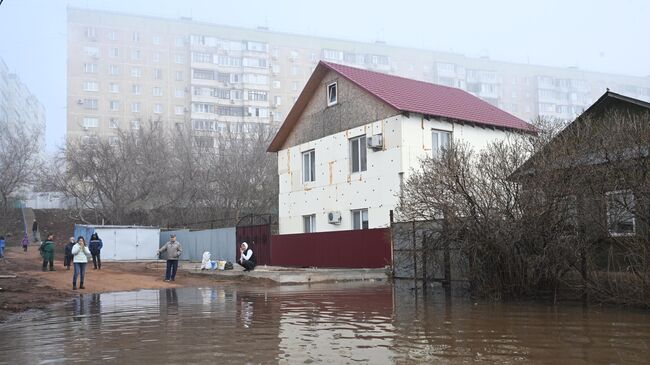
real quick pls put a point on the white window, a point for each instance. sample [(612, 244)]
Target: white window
[(360, 219), (90, 68), (135, 124), (114, 70), (113, 123), (156, 39), (309, 223), (90, 104), (276, 84), (294, 86), (358, 152), (112, 35), (309, 166), (157, 91), (90, 140), (179, 110), (179, 76), (156, 57), (135, 37), (135, 54), (91, 122), (114, 105), (113, 52), (91, 51), (91, 86), (113, 140), (332, 94), (620, 213), (157, 74), (136, 71), (278, 100), (179, 93), (180, 59), (135, 89), (158, 108), (295, 70), (135, 107), (440, 142)]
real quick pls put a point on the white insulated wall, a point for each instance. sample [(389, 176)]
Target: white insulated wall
[(406, 141)]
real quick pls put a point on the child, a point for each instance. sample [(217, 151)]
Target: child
[(67, 259), (25, 242)]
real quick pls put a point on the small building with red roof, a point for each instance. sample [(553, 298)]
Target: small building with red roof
[(353, 136)]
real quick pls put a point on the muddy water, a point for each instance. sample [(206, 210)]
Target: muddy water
[(376, 323)]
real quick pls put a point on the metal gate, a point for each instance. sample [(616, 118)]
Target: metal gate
[(256, 230)]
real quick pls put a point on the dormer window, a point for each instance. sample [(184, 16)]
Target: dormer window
[(332, 94)]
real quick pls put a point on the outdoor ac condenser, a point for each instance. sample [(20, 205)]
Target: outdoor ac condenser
[(334, 217), (376, 142)]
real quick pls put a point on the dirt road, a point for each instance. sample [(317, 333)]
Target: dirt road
[(32, 288)]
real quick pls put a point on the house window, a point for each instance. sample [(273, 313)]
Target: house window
[(309, 223), (309, 166), (114, 70), (112, 35), (113, 123), (179, 93), (157, 91), (114, 52), (179, 76), (135, 107), (136, 71), (332, 94), (90, 104), (135, 88), (135, 37), (114, 105), (91, 122), (441, 140), (90, 68), (135, 54), (114, 88), (620, 213), (91, 86), (157, 74), (135, 124), (358, 153), (158, 108), (360, 219)]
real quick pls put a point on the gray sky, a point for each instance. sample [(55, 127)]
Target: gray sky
[(596, 35)]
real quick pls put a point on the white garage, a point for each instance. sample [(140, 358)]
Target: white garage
[(123, 242)]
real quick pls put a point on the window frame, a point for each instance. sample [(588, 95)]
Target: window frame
[(609, 216), (362, 154), (438, 150), (309, 223), (360, 213), (336, 93), (309, 175)]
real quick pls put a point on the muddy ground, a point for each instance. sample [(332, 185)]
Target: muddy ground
[(32, 288)]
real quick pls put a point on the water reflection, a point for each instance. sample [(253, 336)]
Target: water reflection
[(337, 323)]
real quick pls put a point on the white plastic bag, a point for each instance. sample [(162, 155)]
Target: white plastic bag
[(205, 262)]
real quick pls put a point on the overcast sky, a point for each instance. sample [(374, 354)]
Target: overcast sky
[(598, 35)]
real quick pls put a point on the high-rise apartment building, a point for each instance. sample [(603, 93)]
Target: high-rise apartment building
[(125, 70), (18, 106)]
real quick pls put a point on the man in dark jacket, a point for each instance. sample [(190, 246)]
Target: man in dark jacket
[(95, 247), (67, 259), (35, 231), (47, 251)]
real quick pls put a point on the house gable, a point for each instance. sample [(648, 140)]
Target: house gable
[(354, 107)]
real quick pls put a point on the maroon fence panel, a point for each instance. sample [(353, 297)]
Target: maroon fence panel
[(367, 248), (258, 238)]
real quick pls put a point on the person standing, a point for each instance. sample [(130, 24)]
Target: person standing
[(25, 242), (67, 259), (47, 251), (95, 249), (173, 249), (246, 257), (80, 253), (2, 246), (35, 231)]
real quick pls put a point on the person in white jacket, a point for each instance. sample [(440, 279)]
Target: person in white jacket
[(80, 253)]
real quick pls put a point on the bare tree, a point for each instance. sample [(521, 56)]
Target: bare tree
[(19, 159)]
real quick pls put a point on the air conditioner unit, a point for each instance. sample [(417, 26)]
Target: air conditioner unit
[(334, 217), (376, 142)]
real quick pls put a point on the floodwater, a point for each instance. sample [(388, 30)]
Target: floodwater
[(353, 323)]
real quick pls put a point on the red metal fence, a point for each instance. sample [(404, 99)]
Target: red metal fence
[(258, 238), (367, 248)]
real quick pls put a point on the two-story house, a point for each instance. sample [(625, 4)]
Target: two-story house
[(353, 136)]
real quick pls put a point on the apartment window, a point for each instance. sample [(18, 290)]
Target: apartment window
[(358, 152), (294, 85), (440, 142), (156, 57), (113, 87), (90, 104), (620, 213), (236, 94), (112, 35), (202, 108), (136, 72), (135, 37), (179, 41), (113, 52), (276, 84), (309, 223), (91, 86), (91, 122), (256, 95), (278, 100), (295, 70), (87, 140), (179, 93), (179, 110), (135, 124), (179, 76), (135, 107), (332, 94), (113, 140), (158, 108), (114, 105), (309, 166), (180, 59), (156, 39), (157, 74), (92, 51), (135, 89), (360, 219), (90, 68), (135, 54), (157, 91), (113, 123), (114, 70)]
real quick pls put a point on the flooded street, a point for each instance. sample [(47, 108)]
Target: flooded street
[(374, 323)]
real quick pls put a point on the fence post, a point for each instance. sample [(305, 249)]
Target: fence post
[(392, 247), (415, 258), (447, 263), (425, 251)]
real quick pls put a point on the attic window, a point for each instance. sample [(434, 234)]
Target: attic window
[(332, 94)]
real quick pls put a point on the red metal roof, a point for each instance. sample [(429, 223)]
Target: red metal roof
[(430, 99)]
